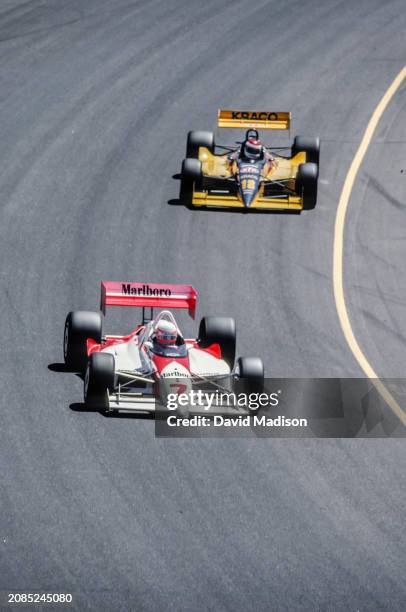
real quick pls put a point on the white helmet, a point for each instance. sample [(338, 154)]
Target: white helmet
[(166, 332)]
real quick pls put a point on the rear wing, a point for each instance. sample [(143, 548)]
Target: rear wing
[(148, 295), (253, 119)]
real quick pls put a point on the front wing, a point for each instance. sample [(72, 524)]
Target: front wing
[(217, 200), (148, 404), (130, 397)]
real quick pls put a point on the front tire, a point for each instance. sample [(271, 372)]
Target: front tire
[(198, 139), (250, 370), (191, 175), (219, 330), (99, 380), (79, 326), (306, 184), (249, 373), (310, 145)]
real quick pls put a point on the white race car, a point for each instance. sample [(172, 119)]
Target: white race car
[(137, 372)]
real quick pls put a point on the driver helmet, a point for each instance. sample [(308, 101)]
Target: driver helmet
[(253, 148), (166, 332)]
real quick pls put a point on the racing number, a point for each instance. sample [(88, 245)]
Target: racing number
[(178, 387), (248, 184)]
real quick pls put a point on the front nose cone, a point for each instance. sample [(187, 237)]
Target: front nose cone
[(247, 197)]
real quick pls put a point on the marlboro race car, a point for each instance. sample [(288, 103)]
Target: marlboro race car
[(250, 175), (136, 372)]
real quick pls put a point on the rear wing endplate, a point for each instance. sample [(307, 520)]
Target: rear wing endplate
[(149, 295), (255, 119)]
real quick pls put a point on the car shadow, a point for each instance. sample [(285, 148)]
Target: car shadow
[(81, 407)]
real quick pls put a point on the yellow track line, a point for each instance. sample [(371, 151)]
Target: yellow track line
[(338, 249)]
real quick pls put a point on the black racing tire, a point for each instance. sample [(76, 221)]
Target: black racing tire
[(198, 139), (310, 145), (306, 184), (219, 330), (99, 380), (249, 373), (191, 175), (79, 326), (192, 169)]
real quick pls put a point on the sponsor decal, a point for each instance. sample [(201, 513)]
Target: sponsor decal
[(246, 175), (175, 374), (244, 168), (175, 370), (144, 290), (253, 116)]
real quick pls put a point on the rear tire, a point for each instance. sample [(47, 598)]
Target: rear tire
[(219, 330), (198, 139), (306, 184), (79, 326), (310, 145), (99, 380)]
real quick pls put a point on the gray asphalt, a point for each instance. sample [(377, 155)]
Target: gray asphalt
[(95, 102)]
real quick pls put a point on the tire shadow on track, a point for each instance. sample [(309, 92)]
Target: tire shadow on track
[(58, 367)]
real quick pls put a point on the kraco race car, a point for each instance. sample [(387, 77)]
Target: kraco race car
[(136, 372), (250, 175)]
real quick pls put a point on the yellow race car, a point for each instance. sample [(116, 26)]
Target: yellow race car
[(250, 175)]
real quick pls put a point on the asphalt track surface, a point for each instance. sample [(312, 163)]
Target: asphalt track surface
[(95, 102)]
